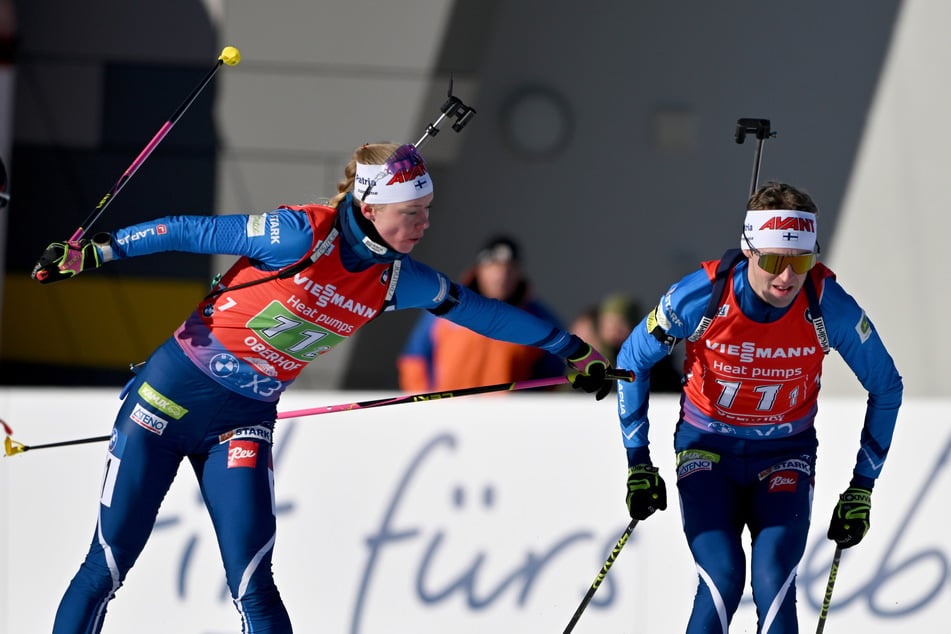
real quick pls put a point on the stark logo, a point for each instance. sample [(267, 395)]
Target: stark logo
[(242, 453)]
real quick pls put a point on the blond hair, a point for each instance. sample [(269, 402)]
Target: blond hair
[(367, 154)]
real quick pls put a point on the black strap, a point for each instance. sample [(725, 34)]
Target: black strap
[(729, 260), (282, 274), (815, 315), (289, 271)]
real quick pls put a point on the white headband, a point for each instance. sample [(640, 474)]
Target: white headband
[(408, 182), (779, 229)]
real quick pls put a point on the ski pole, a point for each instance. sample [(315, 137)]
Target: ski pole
[(601, 575), (230, 56), (617, 375), (827, 599), (13, 447)]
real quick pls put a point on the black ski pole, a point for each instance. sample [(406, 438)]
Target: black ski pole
[(12, 447), (827, 599), (601, 575)]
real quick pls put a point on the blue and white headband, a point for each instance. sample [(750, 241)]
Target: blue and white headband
[(779, 229), (403, 177)]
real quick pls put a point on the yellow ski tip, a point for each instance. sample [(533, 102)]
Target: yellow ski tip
[(12, 447)]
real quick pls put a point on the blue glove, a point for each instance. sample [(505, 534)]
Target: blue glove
[(850, 519), (593, 370), (646, 491)]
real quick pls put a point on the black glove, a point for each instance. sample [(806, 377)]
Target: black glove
[(646, 491), (63, 260), (593, 369), (850, 520)]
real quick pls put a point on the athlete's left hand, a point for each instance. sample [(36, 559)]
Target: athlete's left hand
[(593, 368), (850, 519), (646, 491)]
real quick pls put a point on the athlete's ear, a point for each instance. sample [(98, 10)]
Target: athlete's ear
[(367, 211)]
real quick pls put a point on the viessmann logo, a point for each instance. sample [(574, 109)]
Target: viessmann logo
[(748, 351), (326, 294)]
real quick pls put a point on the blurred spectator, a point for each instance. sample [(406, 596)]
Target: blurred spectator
[(607, 326), (440, 355), (617, 316), (585, 325)]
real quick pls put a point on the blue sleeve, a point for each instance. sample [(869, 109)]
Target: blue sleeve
[(272, 240), (421, 286), (678, 313), (854, 337), (549, 364)]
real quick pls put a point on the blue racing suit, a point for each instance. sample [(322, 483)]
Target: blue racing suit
[(735, 472), (178, 406)]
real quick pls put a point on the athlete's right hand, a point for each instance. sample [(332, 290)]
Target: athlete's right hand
[(592, 368), (646, 491), (63, 260)]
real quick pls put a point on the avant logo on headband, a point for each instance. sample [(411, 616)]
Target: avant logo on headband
[(779, 229), (403, 177)]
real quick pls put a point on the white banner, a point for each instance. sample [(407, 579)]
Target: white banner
[(489, 513)]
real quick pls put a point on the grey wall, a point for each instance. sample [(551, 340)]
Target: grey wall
[(646, 179), (650, 180), (619, 207)]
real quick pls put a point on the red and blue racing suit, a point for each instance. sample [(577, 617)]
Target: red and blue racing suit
[(745, 441), (210, 392)]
